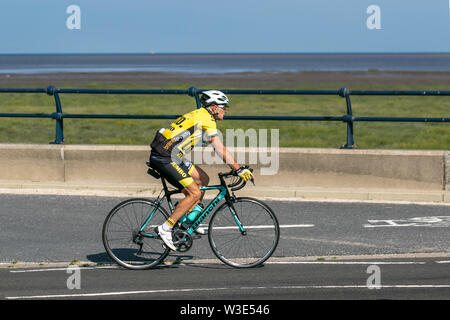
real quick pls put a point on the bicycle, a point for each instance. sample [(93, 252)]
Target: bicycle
[(242, 233)]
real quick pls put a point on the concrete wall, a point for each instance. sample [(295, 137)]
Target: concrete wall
[(447, 171), (109, 164)]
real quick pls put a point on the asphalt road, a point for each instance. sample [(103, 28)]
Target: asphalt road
[(291, 280), (38, 228), (52, 228)]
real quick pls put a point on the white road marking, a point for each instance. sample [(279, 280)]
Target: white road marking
[(61, 269), (99, 294), (432, 221), (344, 262), (256, 227), (296, 226), (268, 227)]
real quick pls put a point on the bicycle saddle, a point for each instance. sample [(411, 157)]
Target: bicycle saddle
[(151, 171)]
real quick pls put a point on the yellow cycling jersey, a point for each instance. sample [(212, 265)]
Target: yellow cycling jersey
[(186, 132)]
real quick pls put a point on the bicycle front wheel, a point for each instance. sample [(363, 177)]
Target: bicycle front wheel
[(244, 235), (129, 237)]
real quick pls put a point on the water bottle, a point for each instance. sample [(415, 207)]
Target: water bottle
[(190, 217)]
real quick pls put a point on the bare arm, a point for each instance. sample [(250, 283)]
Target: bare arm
[(223, 152)]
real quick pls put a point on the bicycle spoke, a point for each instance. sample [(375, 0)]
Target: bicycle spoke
[(251, 247), (123, 240)]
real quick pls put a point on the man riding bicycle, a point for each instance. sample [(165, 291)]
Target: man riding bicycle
[(171, 144)]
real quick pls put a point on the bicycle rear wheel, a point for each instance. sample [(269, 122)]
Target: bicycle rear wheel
[(126, 242), (254, 243)]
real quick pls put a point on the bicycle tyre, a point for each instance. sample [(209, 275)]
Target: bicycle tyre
[(121, 227), (231, 246)]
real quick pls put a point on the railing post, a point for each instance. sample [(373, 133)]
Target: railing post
[(192, 91), (345, 93), (58, 116)]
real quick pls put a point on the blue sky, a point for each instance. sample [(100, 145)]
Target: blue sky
[(232, 26)]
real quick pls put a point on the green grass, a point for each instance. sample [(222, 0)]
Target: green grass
[(317, 134)]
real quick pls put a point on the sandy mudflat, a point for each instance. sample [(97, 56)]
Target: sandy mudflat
[(245, 80)]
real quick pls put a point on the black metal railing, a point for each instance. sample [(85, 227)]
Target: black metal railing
[(345, 93)]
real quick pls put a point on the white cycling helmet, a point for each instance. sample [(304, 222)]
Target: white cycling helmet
[(214, 97)]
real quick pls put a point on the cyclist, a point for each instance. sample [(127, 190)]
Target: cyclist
[(171, 144)]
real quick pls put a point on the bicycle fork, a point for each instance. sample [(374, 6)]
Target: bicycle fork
[(236, 217)]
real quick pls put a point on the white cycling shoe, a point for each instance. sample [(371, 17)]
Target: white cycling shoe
[(166, 237), (201, 231)]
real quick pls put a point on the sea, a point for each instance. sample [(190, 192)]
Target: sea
[(221, 63)]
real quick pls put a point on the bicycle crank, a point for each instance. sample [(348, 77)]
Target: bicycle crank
[(182, 240)]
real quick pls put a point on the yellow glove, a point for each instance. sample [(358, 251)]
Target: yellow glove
[(245, 174)]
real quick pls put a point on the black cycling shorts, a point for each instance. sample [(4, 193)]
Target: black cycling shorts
[(179, 175)]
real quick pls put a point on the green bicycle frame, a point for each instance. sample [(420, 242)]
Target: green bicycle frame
[(222, 193), (209, 208)]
